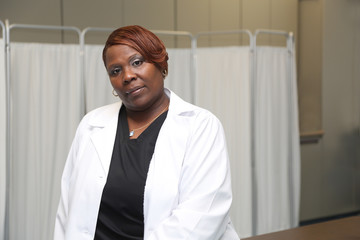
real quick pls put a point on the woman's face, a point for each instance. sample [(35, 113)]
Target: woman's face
[(139, 84)]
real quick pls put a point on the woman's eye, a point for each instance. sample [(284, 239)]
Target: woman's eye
[(137, 63), (114, 71)]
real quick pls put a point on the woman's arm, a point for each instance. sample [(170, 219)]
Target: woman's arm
[(63, 207), (205, 187), (62, 212)]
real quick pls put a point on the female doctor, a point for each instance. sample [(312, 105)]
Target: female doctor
[(149, 167)]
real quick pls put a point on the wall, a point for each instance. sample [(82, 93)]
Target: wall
[(310, 105), (310, 65), (184, 15), (331, 166), (341, 108)]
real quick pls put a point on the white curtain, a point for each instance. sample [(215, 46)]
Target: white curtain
[(47, 108), (98, 90), (223, 87), (45, 113), (2, 139), (277, 142), (179, 79)]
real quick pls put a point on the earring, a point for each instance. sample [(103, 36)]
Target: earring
[(164, 73), (114, 93)]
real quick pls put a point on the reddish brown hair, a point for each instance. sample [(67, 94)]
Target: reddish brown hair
[(143, 41)]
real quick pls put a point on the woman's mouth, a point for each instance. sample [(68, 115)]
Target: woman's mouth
[(134, 91)]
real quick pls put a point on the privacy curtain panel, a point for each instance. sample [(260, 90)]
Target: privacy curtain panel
[(277, 141), (271, 202), (48, 101), (223, 87), (45, 113)]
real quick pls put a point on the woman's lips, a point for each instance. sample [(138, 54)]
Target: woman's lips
[(134, 91)]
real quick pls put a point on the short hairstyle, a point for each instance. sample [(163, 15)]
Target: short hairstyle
[(143, 41)]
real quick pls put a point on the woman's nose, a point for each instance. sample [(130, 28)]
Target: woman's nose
[(129, 75)]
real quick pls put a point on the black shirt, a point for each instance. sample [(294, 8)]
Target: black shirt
[(121, 209)]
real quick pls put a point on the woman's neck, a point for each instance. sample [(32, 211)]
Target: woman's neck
[(138, 121)]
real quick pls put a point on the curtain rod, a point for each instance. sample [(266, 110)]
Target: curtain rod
[(237, 31)]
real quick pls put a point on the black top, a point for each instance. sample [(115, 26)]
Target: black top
[(121, 213)]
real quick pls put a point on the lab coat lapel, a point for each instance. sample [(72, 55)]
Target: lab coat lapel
[(103, 139), (165, 166)]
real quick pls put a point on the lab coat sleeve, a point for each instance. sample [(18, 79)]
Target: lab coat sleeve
[(61, 215), (204, 189)]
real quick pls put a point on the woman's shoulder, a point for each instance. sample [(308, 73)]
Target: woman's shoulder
[(182, 107), (105, 108), (99, 116), (195, 115)]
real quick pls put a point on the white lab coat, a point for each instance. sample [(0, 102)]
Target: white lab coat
[(188, 188)]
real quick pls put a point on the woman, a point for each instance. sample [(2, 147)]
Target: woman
[(150, 167)]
